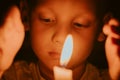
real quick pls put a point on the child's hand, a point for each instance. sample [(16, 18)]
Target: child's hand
[(112, 30), (11, 38)]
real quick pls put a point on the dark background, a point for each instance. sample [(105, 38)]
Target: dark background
[(98, 55)]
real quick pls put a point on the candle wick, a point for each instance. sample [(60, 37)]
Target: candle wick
[(63, 65)]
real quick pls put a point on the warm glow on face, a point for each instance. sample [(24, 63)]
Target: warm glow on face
[(66, 51)]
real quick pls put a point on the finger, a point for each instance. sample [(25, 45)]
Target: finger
[(112, 49), (113, 58), (112, 28), (113, 22)]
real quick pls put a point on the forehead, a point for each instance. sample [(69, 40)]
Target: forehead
[(58, 5), (70, 3)]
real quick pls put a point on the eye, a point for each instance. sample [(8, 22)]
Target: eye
[(46, 20), (79, 25)]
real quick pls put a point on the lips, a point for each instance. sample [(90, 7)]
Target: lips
[(1, 51), (55, 55)]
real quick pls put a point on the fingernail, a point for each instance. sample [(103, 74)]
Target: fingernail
[(116, 29), (116, 41)]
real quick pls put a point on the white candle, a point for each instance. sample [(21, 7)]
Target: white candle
[(61, 73)]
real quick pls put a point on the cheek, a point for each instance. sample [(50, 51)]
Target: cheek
[(82, 48), (84, 41), (40, 39), (83, 45), (37, 32)]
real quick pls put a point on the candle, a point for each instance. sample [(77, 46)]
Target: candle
[(61, 73)]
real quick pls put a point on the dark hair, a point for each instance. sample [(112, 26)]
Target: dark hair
[(101, 10), (114, 8), (33, 3)]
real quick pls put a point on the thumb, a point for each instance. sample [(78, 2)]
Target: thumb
[(113, 58), (11, 37), (13, 17)]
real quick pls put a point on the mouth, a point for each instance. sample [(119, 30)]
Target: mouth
[(55, 55), (1, 51)]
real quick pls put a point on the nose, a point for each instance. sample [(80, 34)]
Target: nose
[(59, 35)]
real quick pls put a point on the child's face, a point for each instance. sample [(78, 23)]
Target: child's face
[(52, 21)]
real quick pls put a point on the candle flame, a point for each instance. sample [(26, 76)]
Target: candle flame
[(66, 51)]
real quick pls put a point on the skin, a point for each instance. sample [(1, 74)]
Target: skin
[(11, 38), (112, 49), (51, 23), (55, 33)]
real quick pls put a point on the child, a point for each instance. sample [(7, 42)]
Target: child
[(50, 21)]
